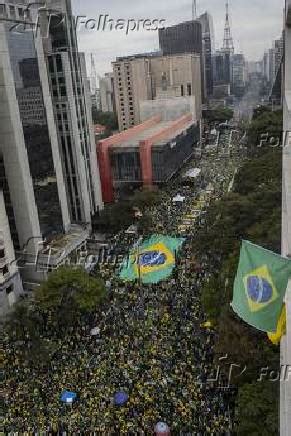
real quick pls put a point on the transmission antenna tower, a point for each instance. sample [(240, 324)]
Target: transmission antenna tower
[(228, 45), (194, 10)]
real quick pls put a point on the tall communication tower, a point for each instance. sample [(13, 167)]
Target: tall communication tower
[(228, 46), (194, 10)]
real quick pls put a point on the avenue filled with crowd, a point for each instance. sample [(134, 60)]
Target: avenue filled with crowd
[(149, 341)]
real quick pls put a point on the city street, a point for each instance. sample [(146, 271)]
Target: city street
[(151, 342)]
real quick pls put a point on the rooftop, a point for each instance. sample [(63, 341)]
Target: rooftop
[(161, 130)]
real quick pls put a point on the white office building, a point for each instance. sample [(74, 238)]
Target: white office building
[(49, 173)]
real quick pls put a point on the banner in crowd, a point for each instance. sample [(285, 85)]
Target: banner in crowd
[(153, 260), (260, 287)]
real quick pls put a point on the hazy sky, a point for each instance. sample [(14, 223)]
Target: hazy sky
[(255, 23)]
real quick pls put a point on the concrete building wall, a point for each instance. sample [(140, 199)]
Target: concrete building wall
[(156, 77), (181, 72), (83, 184), (141, 85), (169, 109), (83, 191), (98, 203), (131, 84), (53, 134), (107, 96), (10, 282)]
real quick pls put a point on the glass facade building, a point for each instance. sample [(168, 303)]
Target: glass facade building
[(30, 101)]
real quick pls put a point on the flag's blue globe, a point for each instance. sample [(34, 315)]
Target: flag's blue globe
[(152, 258), (259, 289)]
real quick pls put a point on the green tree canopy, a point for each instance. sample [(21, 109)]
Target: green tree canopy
[(265, 123), (219, 114), (253, 212), (107, 119), (119, 216), (257, 410), (70, 290), (114, 217)]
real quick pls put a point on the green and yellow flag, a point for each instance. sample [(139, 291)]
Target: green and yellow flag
[(260, 286), (153, 260), (276, 337)]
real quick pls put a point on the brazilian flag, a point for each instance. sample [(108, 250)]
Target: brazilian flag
[(153, 260), (260, 286)]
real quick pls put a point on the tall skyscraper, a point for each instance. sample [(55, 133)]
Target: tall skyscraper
[(279, 51), (37, 204), (272, 72), (208, 49), (49, 174), (72, 109), (221, 68), (184, 38), (239, 74)]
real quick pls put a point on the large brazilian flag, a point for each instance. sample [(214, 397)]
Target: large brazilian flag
[(153, 260), (260, 286)]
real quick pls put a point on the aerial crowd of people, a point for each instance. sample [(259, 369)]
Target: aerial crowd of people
[(149, 341)]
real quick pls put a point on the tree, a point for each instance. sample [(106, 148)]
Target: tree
[(261, 110), (264, 126), (23, 322), (114, 217), (25, 327), (220, 114), (107, 119), (252, 212), (260, 173), (257, 409), (69, 291), (146, 198), (211, 298)]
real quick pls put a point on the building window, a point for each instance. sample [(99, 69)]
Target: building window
[(2, 9), (59, 63), (182, 90), (12, 11), (63, 91), (9, 289), (5, 270), (189, 89)]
